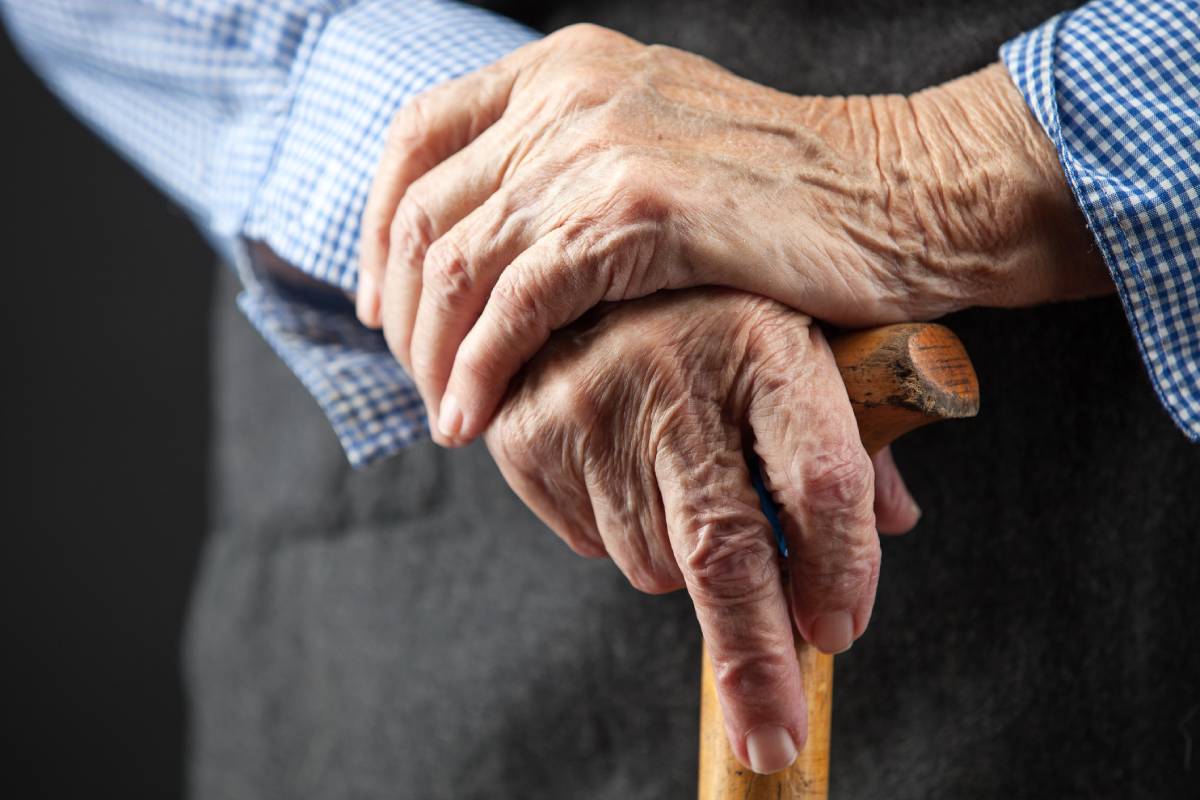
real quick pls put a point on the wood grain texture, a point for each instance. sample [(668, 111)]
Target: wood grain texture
[(722, 777), (898, 377)]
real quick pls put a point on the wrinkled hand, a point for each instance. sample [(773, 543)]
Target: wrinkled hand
[(589, 167), (627, 435)]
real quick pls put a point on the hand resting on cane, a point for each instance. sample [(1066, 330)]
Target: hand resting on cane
[(627, 433)]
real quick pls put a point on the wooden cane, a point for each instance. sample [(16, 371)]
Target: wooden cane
[(899, 377)]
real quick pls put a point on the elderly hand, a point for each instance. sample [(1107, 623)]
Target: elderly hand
[(589, 167), (627, 435)]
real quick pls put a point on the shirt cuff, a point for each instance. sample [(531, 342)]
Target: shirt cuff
[(1109, 84), (370, 402), (367, 60)]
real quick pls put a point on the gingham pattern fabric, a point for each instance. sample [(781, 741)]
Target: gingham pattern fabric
[(265, 119), (1116, 86)]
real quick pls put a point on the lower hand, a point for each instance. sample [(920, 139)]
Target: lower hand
[(627, 435)]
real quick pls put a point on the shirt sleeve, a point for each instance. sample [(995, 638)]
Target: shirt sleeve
[(1116, 86), (265, 119)]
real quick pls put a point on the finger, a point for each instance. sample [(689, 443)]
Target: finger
[(556, 280), (895, 509), (431, 206), (558, 497), (459, 272), (630, 519), (728, 557), (428, 129), (821, 479)]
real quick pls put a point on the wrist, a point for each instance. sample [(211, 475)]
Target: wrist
[(999, 221)]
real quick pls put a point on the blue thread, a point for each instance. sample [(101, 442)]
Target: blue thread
[(769, 509)]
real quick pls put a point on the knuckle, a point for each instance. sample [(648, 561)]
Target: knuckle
[(512, 439), (505, 443), (834, 576), (572, 403), (447, 273), (733, 562), (778, 335), (581, 543), (632, 536), (516, 300), (584, 88), (656, 51), (838, 480), (575, 399), (663, 54), (651, 581), (411, 122), (521, 445), (636, 195), (586, 33), (759, 674), (412, 230), (592, 148)]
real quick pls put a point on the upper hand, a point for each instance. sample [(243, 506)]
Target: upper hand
[(588, 167), (627, 435)]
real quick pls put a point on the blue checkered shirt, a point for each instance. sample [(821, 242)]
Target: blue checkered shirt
[(265, 120), (1116, 86)]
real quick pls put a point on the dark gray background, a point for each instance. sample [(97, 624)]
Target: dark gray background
[(105, 316), (1048, 597)]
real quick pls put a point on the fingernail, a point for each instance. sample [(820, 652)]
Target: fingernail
[(450, 420), (833, 633), (365, 301), (770, 748)]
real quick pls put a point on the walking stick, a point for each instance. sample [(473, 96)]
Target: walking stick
[(899, 377)]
